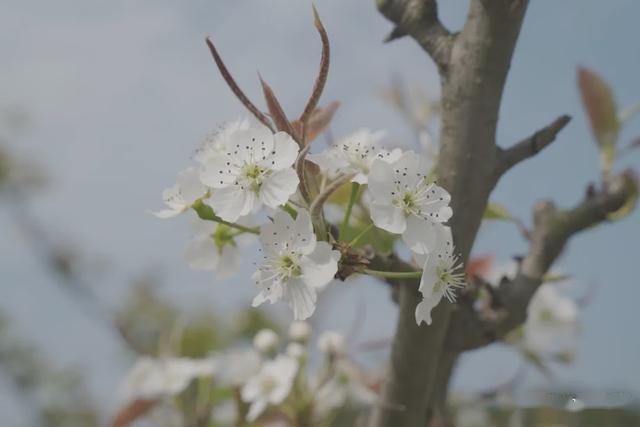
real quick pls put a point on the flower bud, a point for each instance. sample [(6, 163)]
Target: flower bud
[(299, 330), (331, 342), (265, 341)]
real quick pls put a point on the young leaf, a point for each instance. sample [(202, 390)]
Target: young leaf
[(275, 110), (318, 122), (321, 80), (497, 212), (600, 105)]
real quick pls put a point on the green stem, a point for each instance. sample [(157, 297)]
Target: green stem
[(205, 212), (290, 210), (360, 235), (394, 274), (347, 213)]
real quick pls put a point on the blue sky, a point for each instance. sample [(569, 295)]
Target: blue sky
[(122, 92)]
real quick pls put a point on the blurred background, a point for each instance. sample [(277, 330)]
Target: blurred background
[(102, 103)]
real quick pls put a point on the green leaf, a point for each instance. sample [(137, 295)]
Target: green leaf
[(497, 212), (600, 105)]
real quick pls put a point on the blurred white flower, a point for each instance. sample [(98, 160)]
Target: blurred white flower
[(216, 141), (266, 341), (348, 384), (270, 386), (216, 247), (254, 168), (183, 194), (442, 274), (404, 202), (354, 154), (299, 330), (331, 342), (152, 379), (295, 265), (552, 321), (238, 366), (296, 350), (575, 405)]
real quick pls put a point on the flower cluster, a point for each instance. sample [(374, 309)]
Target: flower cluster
[(241, 168), (266, 382)]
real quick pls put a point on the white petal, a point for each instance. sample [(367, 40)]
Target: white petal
[(202, 254), (219, 171), (360, 178), (429, 277), (257, 408), (251, 144), (407, 169), (420, 235), (231, 203), (172, 197), (278, 187), (166, 213), (381, 181), (303, 238), (229, 262), (190, 185), (284, 153), (329, 161), (388, 217), (320, 266), (301, 298), (424, 307), (274, 234)]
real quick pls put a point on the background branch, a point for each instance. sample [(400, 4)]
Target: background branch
[(529, 147), (552, 230)]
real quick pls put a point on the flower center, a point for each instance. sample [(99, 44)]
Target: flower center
[(449, 277), (252, 175), (288, 265), (267, 384)]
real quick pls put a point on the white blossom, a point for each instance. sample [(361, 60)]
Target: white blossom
[(216, 247), (441, 276), (299, 330), (182, 194), (552, 321), (266, 341), (270, 386), (354, 154), (216, 141), (295, 265), (331, 342), (254, 168), (296, 350), (239, 366), (405, 202), (152, 379)]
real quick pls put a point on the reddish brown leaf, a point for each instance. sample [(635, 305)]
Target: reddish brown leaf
[(479, 266), (318, 121), (275, 110), (598, 101), (132, 412)]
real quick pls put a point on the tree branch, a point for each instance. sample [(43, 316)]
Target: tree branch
[(419, 19), (552, 230), (529, 147)]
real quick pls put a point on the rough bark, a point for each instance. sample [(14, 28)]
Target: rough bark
[(473, 70)]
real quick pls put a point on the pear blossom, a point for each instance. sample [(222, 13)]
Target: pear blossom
[(216, 141), (270, 386), (183, 194), (152, 379), (216, 247), (254, 168), (405, 202), (441, 276), (296, 350), (552, 321), (354, 154), (299, 330), (240, 365), (332, 343), (295, 265), (265, 341)]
